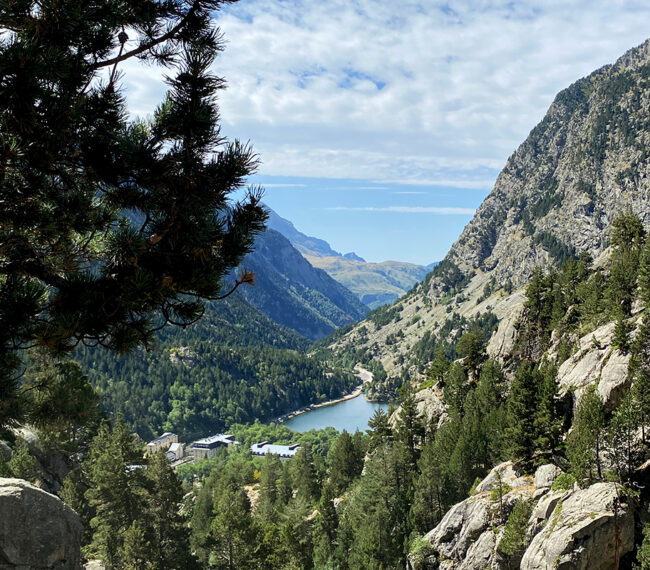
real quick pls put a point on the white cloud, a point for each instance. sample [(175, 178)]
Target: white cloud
[(445, 211), (420, 92)]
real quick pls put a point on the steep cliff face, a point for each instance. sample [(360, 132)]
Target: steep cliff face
[(293, 293), (583, 164)]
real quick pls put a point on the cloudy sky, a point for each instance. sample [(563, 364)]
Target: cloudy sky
[(382, 124)]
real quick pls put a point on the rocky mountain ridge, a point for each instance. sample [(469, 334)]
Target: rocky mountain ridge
[(583, 164)]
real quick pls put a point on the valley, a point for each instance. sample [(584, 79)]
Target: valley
[(488, 411)]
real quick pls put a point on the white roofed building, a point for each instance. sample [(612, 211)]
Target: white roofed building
[(284, 451)]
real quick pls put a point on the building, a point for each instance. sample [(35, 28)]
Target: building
[(176, 451), (162, 442), (207, 447), (284, 451)]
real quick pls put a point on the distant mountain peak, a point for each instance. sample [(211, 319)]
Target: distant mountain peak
[(305, 244), (354, 257), (374, 284)]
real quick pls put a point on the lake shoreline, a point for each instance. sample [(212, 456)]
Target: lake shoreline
[(354, 394)]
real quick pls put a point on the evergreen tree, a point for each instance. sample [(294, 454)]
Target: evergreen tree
[(269, 492), (4, 467), (547, 421), (519, 436), (170, 545), (410, 426), (456, 389), (643, 551), (644, 273), (22, 463), (627, 238), (378, 514), (639, 372), (513, 542), (380, 431), (621, 338), (346, 463), (72, 494), (325, 529), (201, 521), (296, 532), (136, 551), (232, 527), (439, 366), (584, 443), (304, 475), (111, 228), (470, 347), (622, 444), (428, 500), (63, 406), (115, 490), (490, 402)]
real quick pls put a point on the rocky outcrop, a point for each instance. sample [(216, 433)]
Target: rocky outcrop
[(507, 474), (430, 407), (596, 362), (37, 530), (503, 340), (575, 529), (583, 532)]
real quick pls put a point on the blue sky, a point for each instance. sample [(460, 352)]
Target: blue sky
[(382, 125)]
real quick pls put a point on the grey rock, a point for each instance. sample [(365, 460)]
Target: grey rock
[(465, 538), (430, 407), (509, 476), (502, 342), (37, 530), (596, 362), (545, 475), (580, 532)]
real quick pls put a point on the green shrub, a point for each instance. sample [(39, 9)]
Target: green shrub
[(564, 482)]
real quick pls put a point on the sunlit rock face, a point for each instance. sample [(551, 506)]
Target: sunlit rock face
[(37, 530)]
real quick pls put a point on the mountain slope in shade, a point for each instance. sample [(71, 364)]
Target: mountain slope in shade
[(293, 293), (374, 284), (587, 161)]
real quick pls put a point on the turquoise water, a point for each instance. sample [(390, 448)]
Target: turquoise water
[(350, 415)]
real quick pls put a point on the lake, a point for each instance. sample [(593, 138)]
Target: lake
[(350, 415)]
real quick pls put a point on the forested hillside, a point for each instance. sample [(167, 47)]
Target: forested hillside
[(234, 365)]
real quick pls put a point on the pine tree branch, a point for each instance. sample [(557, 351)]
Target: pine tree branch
[(149, 45)]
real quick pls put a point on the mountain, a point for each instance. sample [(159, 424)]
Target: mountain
[(293, 293), (582, 165), (354, 257), (303, 243), (375, 284)]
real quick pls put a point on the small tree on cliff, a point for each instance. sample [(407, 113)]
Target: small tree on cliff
[(111, 228)]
